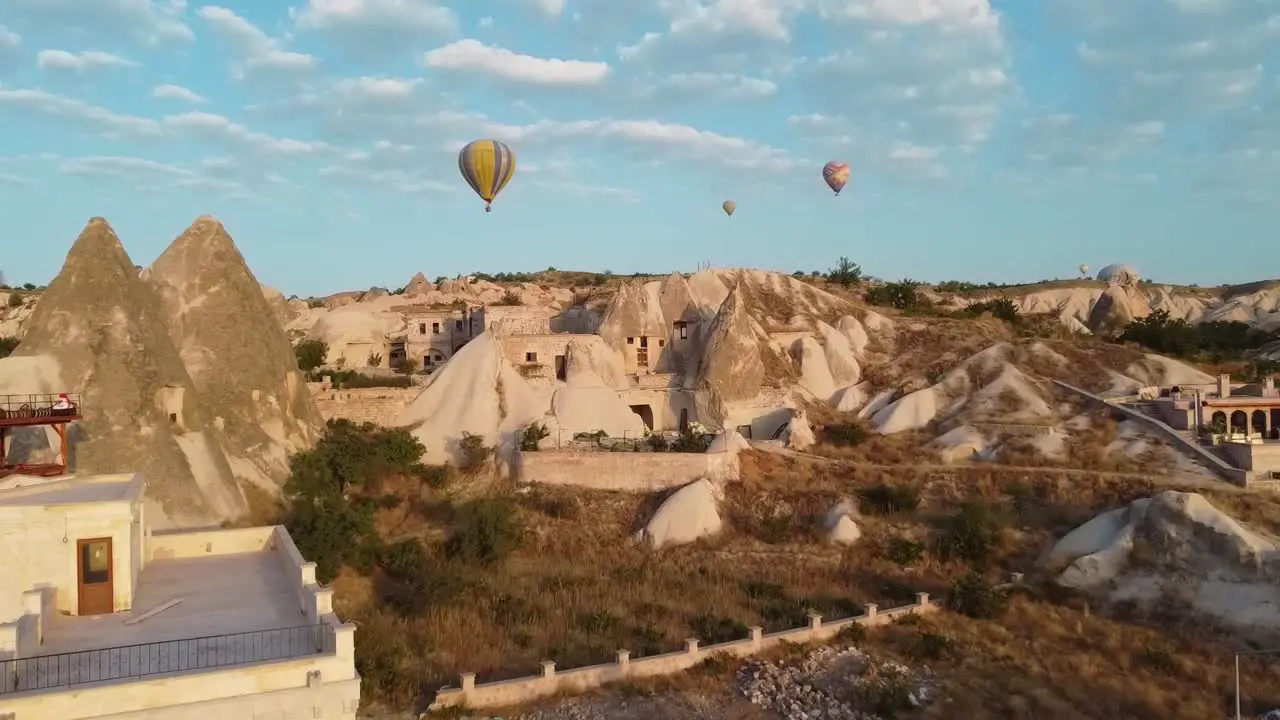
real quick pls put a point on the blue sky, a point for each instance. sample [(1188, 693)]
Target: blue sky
[(989, 140)]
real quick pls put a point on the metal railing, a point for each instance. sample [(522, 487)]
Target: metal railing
[(38, 405), (158, 658)]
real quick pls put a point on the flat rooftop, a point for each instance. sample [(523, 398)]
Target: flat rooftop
[(220, 595), (28, 490)]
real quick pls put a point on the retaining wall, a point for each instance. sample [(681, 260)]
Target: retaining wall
[(550, 681), (375, 405), (1178, 440), (623, 471)]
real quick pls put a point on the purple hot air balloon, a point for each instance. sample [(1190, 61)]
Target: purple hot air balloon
[(836, 174)]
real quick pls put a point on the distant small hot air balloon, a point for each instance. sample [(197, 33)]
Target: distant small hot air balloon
[(487, 166), (1084, 269), (836, 174), (729, 206)]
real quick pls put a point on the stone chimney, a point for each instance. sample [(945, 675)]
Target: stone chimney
[(1224, 386), (1269, 386)]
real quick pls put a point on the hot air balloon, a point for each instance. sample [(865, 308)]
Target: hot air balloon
[(729, 206), (487, 166), (1084, 269), (836, 174)]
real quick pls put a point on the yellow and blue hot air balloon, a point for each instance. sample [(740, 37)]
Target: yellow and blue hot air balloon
[(487, 166)]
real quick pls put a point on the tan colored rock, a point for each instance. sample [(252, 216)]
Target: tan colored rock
[(106, 328), (236, 352)]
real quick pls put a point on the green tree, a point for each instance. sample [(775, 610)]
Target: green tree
[(846, 272), (311, 354)]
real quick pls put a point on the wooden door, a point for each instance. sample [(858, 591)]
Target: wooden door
[(94, 562)]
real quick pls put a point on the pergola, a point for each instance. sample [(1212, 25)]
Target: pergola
[(18, 411)]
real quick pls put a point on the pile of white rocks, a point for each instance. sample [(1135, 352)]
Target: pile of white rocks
[(827, 683)]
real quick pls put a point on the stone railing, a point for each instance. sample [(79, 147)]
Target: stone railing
[(1190, 447), (506, 693), (654, 381)]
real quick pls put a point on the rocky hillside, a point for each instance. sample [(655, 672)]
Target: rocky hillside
[(101, 331), (236, 352), (184, 371)]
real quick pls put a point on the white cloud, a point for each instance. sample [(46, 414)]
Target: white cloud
[(148, 21), (217, 127), (258, 51), (474, 56), (1062, 141), (376, 29), (10, 41), (147, 173), (91, 117), (485, 22), (550, 8), (705, 85), (682, 141), (11, 179), (177, 92), (82, 62)]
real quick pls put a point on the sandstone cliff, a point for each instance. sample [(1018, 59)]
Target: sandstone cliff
[(236, 353), (105, 327)]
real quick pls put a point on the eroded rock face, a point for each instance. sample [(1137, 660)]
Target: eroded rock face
[(1118, 306), (235, 352), (732, 366), (106, 328)]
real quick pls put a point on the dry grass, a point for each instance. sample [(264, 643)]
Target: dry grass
[(577, 590), (916, 347), (1053, 660)]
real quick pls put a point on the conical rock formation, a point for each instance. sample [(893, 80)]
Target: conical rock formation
[(236, 352), (105, 327), (732, 366)]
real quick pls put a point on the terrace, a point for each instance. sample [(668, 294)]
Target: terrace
[(203, 601)]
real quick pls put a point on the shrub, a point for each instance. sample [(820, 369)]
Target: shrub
[(969, 535), (845, 434), (904, 552), (510, 299), (15, 300), (311, 354), (846, 272), (901, 295), (691, 442), (533, 434), (473, 451), (485, 531), (1002, 308), (374, 360), (8, 344), (315, 304), (436, 476), (330, 526), (883, 499), (350, 379), (973, 596)]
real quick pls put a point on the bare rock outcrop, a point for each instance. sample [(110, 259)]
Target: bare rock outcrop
[(731, 365), (1118, 306), (633, 312), (418, 285), (235, 352), (106, 328)]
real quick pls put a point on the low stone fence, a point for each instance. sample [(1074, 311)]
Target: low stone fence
[(623, 471), (550, 681), (1217, 464)]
